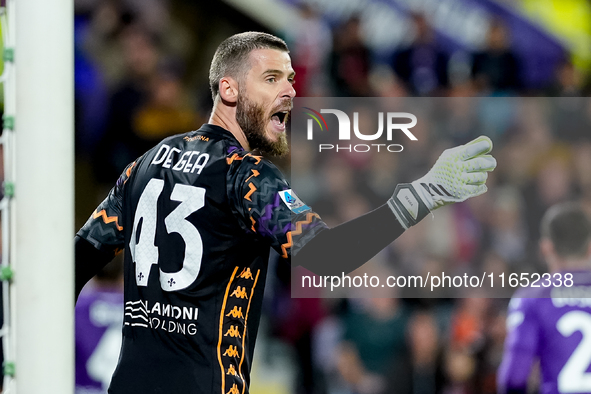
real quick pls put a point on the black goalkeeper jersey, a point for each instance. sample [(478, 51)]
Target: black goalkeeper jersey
[(196, 217)]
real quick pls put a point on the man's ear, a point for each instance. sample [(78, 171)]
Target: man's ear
[(547, 249), (228, 89)]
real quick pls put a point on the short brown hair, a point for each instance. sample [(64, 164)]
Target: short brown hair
[(232, 55), (569, 229)]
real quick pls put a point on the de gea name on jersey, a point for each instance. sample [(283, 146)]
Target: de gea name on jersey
[(187, 161)]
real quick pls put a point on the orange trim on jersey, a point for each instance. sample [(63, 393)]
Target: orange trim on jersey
[(255, 173), (253, 189), (253, 223), (244, 333), (257, 158), (221, 329), (298, 231), (237, 157), (128, 172), (286, 245), (309, 217), (107, 219), (231, 159)]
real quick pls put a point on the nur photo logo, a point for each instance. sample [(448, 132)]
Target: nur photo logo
[(389, 123)]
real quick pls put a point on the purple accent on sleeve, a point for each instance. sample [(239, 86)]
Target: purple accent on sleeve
[(233, 149), (263, 220)]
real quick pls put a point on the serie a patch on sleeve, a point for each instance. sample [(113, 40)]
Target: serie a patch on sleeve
[(293, 202)]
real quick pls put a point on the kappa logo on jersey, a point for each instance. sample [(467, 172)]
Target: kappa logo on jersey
[(233, 332), (232, 371), (293, 202), (240, 292), (236, 313), (234, 390), (246, 274), (231, 351)]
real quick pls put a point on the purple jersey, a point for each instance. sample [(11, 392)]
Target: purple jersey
[(99, 318), (552, 325)]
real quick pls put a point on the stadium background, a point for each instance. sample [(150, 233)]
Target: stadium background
[(141, 74)]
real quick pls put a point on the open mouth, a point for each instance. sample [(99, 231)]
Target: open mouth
[(279, 119)]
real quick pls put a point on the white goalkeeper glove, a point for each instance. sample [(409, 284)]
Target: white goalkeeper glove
[(457, 175)]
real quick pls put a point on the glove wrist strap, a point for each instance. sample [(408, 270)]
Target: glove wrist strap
[(407, 205)]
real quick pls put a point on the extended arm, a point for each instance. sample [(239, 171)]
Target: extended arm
[(458, 174), (351, 244), (261, 196)]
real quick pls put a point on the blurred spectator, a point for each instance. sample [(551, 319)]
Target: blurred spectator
[(459, 369), (108, 19), (468, 323), (141, 58), (426, 354), (327, 336), (461, 120), (582, 160), (90, 94), (385, 83), (467, 365), (167, 111), (568, 83), (423, 65), (496, 266), (552, 184), (350, 61), (490, 355), (496, 69), (373, 358), (294, 320), (149, 104), (310, 42), (508, 230)]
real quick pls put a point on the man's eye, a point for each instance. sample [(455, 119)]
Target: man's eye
[(291, 80), (272, 79)]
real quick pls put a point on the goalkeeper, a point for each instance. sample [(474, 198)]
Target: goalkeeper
[(197, 215), (458, 174)]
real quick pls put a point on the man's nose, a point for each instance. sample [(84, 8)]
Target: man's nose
[(288, 90)]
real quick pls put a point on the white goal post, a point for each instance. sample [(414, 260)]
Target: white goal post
[(42, 291)]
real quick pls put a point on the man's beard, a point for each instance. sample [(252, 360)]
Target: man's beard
[(251, 118)]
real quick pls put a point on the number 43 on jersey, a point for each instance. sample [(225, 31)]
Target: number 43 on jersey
[(144, 253)]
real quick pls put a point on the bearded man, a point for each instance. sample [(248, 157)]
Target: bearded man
[(198, 214)]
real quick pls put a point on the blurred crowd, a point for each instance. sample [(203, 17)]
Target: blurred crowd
[(141, 75), (436, 343)]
